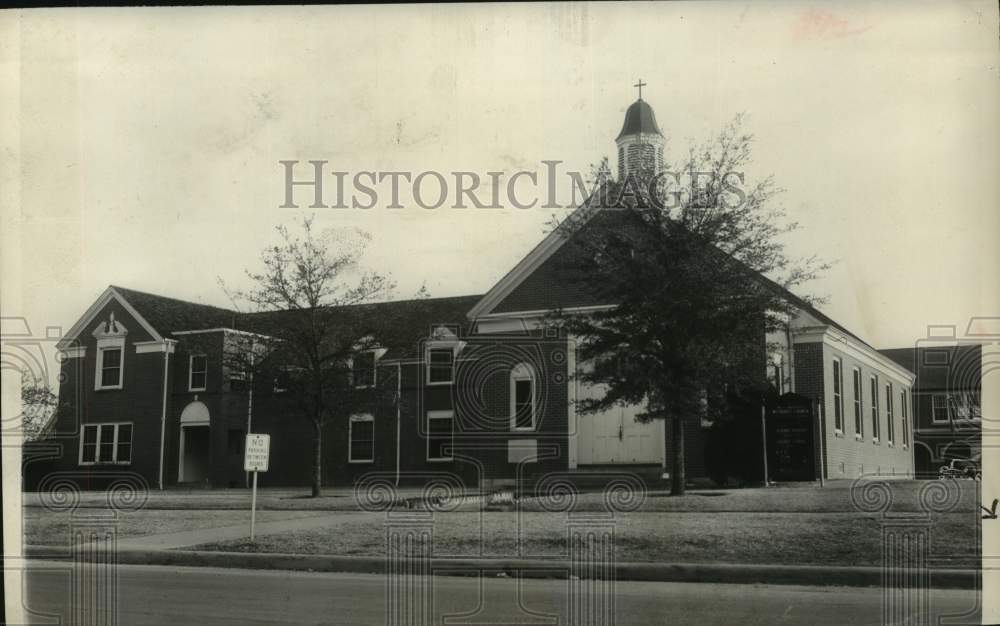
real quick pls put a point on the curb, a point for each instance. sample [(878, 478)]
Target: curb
[(809, 575)]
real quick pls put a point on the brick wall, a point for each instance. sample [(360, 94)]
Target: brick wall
[(846, 452), (139, 402)]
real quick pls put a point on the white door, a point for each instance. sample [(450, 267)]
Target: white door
[(614, 437)]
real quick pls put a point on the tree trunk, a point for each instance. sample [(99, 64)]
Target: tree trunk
[(317, 484), (678, 475)]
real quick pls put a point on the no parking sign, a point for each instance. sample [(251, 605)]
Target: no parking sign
[(256, 454)]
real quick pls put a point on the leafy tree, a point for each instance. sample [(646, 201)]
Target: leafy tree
[(694, 264), (309, 322)]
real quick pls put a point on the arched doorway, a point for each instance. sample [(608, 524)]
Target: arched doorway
[(194, 453)]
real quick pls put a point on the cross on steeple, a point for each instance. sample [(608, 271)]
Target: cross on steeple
[(640, 85)]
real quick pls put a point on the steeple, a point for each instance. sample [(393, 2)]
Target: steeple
[(640, 144)]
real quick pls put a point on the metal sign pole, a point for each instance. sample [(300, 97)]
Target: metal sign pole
[(253, 507), (255, 459)]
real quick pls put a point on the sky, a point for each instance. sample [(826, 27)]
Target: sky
[(141, 147)]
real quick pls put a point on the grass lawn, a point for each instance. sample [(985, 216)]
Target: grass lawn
[(780, 525), (778, 538), (43, 527)]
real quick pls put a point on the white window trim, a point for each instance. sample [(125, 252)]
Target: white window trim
[(890, 431), (191, 358), (903, 398), (858, 403), (365, 417), (454, 357), (875, 413), (838, 398), (97, 451), (450, 415), (523, 371), (103, 345)]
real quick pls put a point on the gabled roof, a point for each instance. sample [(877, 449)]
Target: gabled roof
[(413, 321), (106, 296), (168, 315), (162, 316), (554, 240)]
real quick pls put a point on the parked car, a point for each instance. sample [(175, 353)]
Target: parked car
[(961, 468)]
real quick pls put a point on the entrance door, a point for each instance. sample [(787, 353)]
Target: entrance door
[(615, 437), (195, 444)]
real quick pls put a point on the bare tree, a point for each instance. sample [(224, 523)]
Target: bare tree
[(310, 328)]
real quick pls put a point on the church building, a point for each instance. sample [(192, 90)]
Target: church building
[(482, 392)]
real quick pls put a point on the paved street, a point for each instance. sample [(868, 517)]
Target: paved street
[(178, 595)]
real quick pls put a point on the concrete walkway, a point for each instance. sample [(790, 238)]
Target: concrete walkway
[(183, 539)]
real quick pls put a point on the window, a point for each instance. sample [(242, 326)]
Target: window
[(875, 400), (361, 435), (838, 396), (859, 420), (106, 444), (975, 405), (440, 435), (939, 408), (890, 430), (109, 368), (440, 366), (906, 417), (197, 372), (522, 398), (363, 369), (967, 406)]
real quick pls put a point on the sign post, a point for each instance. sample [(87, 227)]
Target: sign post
[(255, 459)]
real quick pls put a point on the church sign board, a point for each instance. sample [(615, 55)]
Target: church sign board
[(791, 448)]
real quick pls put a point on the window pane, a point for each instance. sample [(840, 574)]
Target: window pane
[(440, 366), (438, 448), (112, 357), (362, 431), (364, 369), (362, 451), (124, 434), (89, 444), (106, 454), (111, 361), (199, 371), (439, 426), (522, 404), (439, 436)]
